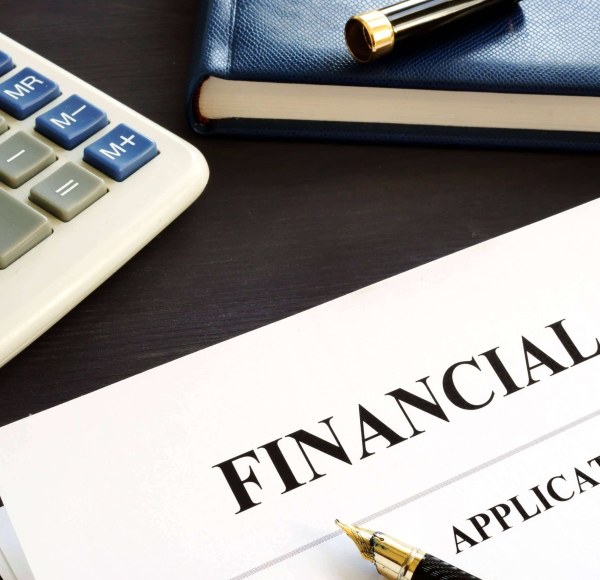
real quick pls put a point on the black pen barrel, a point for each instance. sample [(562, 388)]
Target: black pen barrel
[(414, 17), (431, 567), (375, 33)]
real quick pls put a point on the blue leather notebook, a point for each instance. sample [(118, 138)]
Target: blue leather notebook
[(527, 77)]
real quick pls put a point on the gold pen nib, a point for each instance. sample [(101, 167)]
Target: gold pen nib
[(361, 537)]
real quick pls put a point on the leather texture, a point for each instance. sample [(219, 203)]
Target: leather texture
[(538, 47)]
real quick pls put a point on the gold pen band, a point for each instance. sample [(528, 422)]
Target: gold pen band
[(370, 35), (394, 559)]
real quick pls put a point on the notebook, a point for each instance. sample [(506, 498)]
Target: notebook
[(524, 77), (455, 406)]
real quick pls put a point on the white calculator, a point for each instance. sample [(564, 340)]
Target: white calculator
[(85, 183)]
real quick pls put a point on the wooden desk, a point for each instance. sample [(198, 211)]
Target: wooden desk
[(281, 227)]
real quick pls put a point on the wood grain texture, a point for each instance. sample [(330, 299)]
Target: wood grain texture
[(281, 227)]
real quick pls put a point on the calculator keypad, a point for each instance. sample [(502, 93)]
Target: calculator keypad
[(26, 92), (71, 188), (21, 228), (68, 191), (71, 122), (21, 157), (6, 63), (120, 152)]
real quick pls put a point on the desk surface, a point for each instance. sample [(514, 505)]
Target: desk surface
[(281, 227)]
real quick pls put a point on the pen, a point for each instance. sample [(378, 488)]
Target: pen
[(373, 34), (396, 560)]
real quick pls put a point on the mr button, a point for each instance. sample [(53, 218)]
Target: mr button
[(26, 92), (120, 152)]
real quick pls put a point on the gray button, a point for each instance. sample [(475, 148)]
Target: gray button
[(3, 125), (21, 157), (21, 228), (68, 191)]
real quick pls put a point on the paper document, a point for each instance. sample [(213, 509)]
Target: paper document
[(13, 563), (5, 570), (455, 406)]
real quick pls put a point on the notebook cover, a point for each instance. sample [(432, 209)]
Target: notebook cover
[(538, 47)]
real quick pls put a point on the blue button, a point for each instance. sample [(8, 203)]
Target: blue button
[(71, 122), (26, 92), (120, 152), (6, 63)]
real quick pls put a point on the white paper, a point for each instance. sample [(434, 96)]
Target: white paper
[(5, 570), (13, 563), (129, 471)]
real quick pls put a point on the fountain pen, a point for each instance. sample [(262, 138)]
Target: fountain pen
[(396, 560)]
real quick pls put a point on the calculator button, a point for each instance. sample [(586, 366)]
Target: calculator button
[(68, 191), (6, 63), (21, 157), (26, 92), (120, 152), (71, 122), (3, 125), (21, 228)]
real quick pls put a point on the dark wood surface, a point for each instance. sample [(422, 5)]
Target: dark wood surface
[(281, 227)]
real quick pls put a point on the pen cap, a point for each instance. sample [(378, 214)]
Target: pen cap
[(375, 33)]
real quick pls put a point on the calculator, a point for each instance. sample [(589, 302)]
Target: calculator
[(85, 183)]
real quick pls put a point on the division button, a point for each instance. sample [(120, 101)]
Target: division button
[(120, 152), (21, 157), (71, 122), (6, 63), (68, 191), (26, 92), (21, 228)]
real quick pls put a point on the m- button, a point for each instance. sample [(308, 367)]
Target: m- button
[(71, 122), (120, 152), (26, 92)]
